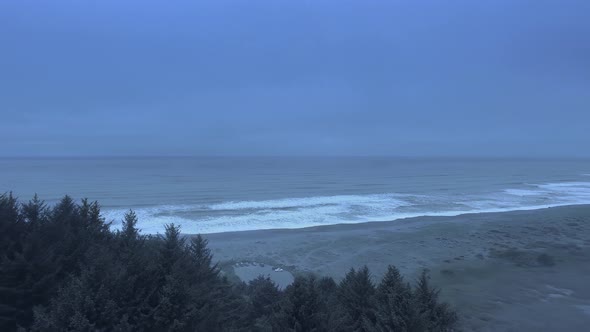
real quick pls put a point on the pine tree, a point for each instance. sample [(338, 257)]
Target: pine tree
[(434, 315), (83, 257), (395, 307), (171, 311), (334, 314), (202, 260), (129, 232), (15, 306), (35, 212), (137, 289), (85, 302), (67, 230), (231, 310), (215, 304), (301, 309), (173, 248), (11, 224), (65, 212), (92, 220), (357, 297), (64, 262), (174, 311), (264, 296)]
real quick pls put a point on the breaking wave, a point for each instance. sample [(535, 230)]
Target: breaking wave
[(327, 210)]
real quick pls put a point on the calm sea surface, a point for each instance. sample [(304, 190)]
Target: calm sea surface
[(206, 194)]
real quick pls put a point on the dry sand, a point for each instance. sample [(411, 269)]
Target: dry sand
[(510, 271)]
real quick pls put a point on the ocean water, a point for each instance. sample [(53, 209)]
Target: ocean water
[(220, 194)]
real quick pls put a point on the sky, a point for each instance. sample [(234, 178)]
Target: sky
[(295, 77)]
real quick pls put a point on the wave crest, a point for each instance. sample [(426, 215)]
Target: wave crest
[(327, 210)]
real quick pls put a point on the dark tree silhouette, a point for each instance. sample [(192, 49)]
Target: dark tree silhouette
[(396, 310), (434, 315), (62, 269), (357, 297)]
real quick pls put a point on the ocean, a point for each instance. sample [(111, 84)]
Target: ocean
[(221, 194)]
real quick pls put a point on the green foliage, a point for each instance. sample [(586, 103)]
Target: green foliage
[(129, 232), (396, 310), (357, 297), (62, 269), (264, 296), (11, 224), (301, 308), (434, 315)]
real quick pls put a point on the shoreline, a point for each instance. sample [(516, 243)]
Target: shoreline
[(519, 270), (429, 218), (408, 216)]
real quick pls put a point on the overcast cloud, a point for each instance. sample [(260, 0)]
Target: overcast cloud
[(278, 77)]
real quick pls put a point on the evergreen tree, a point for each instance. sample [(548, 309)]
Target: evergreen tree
[(64, 262), (137, 288), (395, 306), (169, 302), (12, 267), (129, 232), (172, 249), (231, 309), (65, 212), (301, 309), (357, 298), (24, 280), (35, 212), (434, 315), (175, 311), (202, 260), (85, 302), (334, 313), (215, 302), (11, 224), (91, 219), (264, 296)]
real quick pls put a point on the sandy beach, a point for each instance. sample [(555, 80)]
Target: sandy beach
[(509, 271)]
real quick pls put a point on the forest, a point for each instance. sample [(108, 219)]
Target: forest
[(62, 268)]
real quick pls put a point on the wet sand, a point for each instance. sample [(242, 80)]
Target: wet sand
[(509, 271)]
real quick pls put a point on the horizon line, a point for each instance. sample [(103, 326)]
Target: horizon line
[(150, 156)]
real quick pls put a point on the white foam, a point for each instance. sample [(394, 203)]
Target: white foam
[(566, 185), (524, 192), (571, 192), (341, 209), (388, 199), (251, 215), (150, 220), (253, 222)]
